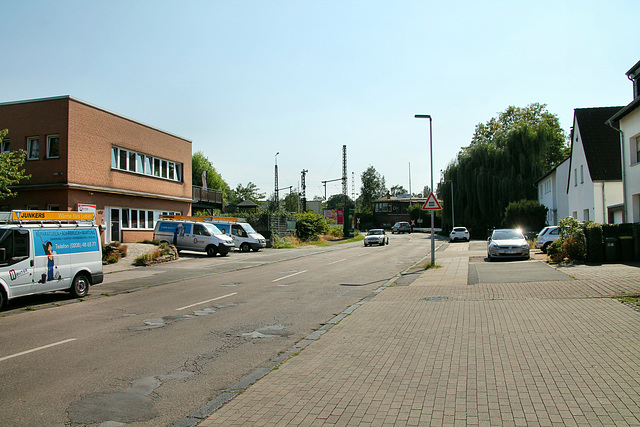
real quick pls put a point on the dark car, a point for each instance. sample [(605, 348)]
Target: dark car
[(401, 227)]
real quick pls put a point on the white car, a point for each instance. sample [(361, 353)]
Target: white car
[(547, 236), (377, 236), (507, 243), (459, 233)]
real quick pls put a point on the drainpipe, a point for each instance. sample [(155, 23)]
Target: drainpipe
[(624, 175)]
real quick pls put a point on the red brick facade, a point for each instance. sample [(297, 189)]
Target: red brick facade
[(84, 172)]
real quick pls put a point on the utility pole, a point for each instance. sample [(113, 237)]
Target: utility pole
[(304, 189), (344, 175)]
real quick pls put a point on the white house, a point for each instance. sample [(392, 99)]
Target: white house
[(594, 187), (552, 192), (627, 123)]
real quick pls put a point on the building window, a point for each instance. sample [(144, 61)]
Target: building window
[(53, 147), (575, 177), (53, 207), (132, 161), (32, 207), (581, 174), (585, 215), (33, 148), (635, 150), (6, 145)]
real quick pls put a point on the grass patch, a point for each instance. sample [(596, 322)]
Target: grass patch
[(633, 300), (427, 266)]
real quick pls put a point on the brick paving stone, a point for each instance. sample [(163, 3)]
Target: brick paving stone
[(537, 353)]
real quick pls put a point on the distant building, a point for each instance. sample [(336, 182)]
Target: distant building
[(389, 210), (552, 192), (83, 156)]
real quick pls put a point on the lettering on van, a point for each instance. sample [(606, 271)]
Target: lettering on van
[(15, 274), (30, 215), (65, 241)]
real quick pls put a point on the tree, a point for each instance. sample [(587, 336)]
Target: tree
[(291, 202), (373, 187), (336, 201), (528, 215), (505, 158), (248, 192), (10, 169), (200, 164), (397, 189)]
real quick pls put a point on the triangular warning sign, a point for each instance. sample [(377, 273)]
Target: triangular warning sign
[(431, 204)]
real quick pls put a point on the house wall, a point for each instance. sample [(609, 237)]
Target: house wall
[(562, 177), (547, 197), (630, 126), (580, 188)]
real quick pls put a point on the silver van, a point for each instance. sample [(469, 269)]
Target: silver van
[(192, 236)]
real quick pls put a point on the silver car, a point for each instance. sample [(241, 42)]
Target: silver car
[(507, 243), (377, 236), (546, 237)]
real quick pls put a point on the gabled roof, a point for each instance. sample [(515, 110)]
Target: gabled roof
[(601, 143)]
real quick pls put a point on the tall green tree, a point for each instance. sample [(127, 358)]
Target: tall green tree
[(373, 187), (11, 171), (397, 189), (199, 164), (505, 158), (337, 201), (248, 192)]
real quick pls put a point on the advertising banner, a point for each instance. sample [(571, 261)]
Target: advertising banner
[(334, 214)]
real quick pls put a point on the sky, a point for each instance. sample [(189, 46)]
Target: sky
[(244, 80)]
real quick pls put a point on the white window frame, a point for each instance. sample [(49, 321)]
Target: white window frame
[(30, 141), (6, 145), (144, 164), (50, 139), (635, 150)]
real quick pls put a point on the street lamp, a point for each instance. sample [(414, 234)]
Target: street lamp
[(433, 247)]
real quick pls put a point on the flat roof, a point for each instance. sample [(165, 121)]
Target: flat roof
[(88, 104)]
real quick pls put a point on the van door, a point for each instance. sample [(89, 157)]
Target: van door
[(238, 234), (16, 261), (52, 249), (201, 237)]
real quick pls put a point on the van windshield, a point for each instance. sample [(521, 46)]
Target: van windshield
[(212, 229), (248, 228)]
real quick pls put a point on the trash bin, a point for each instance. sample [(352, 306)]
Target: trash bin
[(626, 248), (611, 249)]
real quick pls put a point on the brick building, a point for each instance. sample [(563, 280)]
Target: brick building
[(80, 155)]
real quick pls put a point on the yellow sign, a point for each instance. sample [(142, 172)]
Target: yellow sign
[(51, 216), (199, 218)]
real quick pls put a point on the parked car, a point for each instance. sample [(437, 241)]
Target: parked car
[(547, 236), (459, 233), (507, 243), (401, 227), (376, 236)]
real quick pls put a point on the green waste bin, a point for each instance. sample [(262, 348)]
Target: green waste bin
[(611, 249), (626, 248)]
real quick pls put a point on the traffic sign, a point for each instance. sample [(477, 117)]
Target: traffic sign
[(431, 204)]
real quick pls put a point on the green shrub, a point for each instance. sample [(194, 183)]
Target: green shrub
[(595, 242), (310, 225), (575, 246), (555, 251)]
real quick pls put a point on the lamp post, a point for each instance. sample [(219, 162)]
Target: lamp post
[(276, 182), (433, 246)]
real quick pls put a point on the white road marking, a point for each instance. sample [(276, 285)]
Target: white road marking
[(290, 275), (335, 262), (204, 302), (22, 353)]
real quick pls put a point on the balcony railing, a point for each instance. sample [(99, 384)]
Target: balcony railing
[(206, 195)]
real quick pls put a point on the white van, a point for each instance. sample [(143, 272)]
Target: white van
[(45, 251), (244, 236), (191, 234)]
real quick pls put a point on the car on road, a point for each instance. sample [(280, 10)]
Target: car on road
[(401, 227), (547, 236), (459, 233), (507, 243), (376, 236)]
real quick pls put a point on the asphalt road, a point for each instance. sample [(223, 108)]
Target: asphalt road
[(151, 345)]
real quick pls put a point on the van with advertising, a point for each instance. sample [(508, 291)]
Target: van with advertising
[(245, 238), (192, 234), (46, 251)]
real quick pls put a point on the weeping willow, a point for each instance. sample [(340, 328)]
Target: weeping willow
[(507, 155)]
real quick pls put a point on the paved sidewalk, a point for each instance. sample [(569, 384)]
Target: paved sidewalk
[(442, 352)]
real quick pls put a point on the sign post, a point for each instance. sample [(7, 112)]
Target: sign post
[(432, 204)]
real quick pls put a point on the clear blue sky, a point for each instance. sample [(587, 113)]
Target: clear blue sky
[(246, 79)]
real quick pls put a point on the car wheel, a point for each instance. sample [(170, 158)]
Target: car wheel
[(3, 299), (544, 247), (245, 247), (80, 286), (211, 250), (387, 241), (489, 257)]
